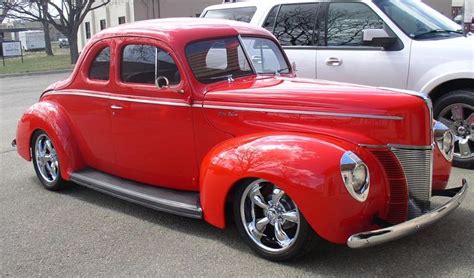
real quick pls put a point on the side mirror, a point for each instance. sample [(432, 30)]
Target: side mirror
[(162, 82), (377, 37)]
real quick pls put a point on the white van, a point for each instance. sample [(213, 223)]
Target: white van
[(387, 43), (32, 40)]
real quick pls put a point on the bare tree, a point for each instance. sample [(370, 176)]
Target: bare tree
[(65, 17), (3, 10)]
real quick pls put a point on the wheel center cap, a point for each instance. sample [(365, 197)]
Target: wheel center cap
[(462, 130), (272, 215)]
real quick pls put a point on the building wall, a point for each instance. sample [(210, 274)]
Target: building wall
[(442, 6), (110, 13), (186, 8), (135, 10)]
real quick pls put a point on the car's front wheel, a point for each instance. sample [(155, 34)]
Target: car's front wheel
[(270, 222), (456, 110), (46, 162)]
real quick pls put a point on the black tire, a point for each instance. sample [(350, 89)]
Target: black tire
[(53, 183), (304, 239), (441, 107)]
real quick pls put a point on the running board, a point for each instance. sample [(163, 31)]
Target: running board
[(184, 203)]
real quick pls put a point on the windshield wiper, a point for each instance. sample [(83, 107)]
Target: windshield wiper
[(227, 77), (436, 31), (282, 70)]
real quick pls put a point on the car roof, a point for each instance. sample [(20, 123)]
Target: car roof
[(183, 30)]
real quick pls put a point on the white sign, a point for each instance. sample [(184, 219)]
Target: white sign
[(11, 49)]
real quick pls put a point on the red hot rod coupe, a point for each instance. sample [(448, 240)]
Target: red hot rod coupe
[(193, 116)]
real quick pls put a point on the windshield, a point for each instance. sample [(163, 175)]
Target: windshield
[(418, 20), (225, 59), (265, 55)]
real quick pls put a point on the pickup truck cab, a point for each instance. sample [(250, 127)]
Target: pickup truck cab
[(175, 115), (385, 43)]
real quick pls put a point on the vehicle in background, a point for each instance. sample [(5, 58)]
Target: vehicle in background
[(32, 40), (63, 42), (386, 43)]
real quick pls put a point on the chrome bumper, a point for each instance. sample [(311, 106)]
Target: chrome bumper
[(371, 238)]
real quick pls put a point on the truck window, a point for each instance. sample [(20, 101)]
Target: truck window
[(269, 23), (345, 22), (295, 24), (243, 14)]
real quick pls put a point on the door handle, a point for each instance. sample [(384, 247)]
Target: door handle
[(333, 61), (116, 107)]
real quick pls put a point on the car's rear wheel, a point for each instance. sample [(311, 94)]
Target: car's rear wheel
[(456, 111), (46, 162), (270, 222)]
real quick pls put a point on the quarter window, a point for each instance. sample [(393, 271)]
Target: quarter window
[(144, 63), (100, 67), (346, 21), (243, 14), (295, 24)]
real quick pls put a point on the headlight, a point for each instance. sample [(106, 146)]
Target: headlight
[(444, 139), (355, 176)]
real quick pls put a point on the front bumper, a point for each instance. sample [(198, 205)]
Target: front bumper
[(371, 238)]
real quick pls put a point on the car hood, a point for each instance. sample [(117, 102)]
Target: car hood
[(316, 105)]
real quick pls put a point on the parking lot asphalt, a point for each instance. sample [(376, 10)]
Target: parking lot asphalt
[(80, 232)]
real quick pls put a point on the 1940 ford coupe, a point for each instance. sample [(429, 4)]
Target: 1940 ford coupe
[(194, 116)]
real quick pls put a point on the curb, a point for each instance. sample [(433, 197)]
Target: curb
[(34, 73)]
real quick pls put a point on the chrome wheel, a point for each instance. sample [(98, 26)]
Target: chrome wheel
[(459, 117), (270, 218), (46, 159)]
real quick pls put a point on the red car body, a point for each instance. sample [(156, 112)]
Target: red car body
[(207, 137)]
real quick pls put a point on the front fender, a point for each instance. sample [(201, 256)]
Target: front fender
[(50, 118), (306, 167), (442, 73)]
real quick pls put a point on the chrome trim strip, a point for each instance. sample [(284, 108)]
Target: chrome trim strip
[(157, 102), (239, 108), (302, 112), (371, 238), (405, 147)]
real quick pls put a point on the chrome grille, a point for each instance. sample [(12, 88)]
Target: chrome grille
[(417, 166)]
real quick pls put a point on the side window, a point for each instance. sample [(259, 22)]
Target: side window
[(345, 22), (270, 21), (243, 14), (144, 63), (100, 67), (295, 24)]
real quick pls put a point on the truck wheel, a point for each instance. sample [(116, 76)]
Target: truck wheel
[(270, 222), (46, 162), (456, 110)]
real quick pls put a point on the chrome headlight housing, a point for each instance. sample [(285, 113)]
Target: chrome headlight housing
[(444, 139), (355, 175)]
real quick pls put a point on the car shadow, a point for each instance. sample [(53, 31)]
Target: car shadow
[(441, 248)]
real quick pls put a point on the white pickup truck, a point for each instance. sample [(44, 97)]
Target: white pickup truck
[(386, 43)]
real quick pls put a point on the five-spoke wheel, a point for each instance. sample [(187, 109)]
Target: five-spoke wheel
[(46, 162), (270, 221)]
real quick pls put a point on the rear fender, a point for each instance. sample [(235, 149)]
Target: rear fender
[(50, 118), (306, 167)]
